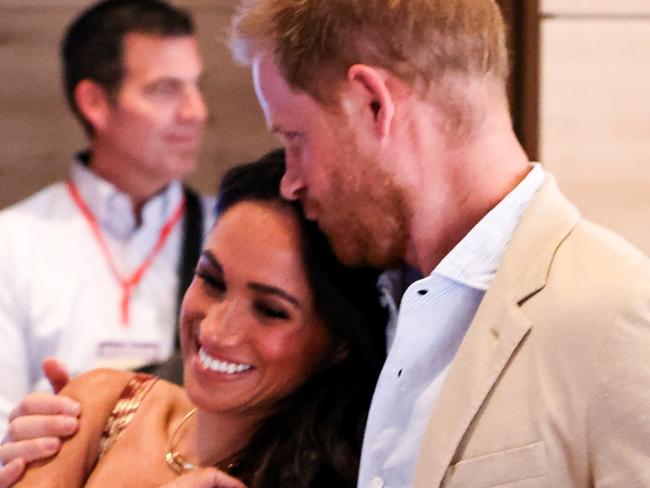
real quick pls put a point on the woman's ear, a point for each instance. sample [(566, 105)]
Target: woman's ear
[(372, 84), (93, 103)]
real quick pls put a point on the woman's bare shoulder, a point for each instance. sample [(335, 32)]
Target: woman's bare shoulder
[(97, 391), (167, 397), (98, 385)]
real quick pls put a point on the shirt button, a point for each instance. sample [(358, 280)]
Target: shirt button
[(377, 482)]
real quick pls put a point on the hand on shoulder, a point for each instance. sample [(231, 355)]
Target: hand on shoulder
[(11, 473), (36, 425)]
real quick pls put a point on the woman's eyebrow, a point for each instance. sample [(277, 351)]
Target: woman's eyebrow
[(272, 290)]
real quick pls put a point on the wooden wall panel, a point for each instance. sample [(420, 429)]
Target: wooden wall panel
[(596, 7), (37, 133), (522, 19), (595, 125)]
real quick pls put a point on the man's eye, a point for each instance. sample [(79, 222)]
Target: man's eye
[(290, 137), (213, 282), (165, 88), (271, 312)]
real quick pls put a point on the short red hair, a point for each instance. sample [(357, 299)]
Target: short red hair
[(420, 41)]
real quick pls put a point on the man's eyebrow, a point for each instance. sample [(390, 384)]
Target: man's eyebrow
[(272, 290), (165, 79), (207, 254), (276, 129)]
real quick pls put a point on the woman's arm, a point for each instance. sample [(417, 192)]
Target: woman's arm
[(97, 391)]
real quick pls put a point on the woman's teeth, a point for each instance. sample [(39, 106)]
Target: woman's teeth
[(221, 366)]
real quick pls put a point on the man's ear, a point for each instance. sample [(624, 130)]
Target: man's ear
[(372, 85), (93, 103)]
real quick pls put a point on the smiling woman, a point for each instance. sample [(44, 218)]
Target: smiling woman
[(250, 330), (281, 348)]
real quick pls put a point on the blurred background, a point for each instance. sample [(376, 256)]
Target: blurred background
[(580, 93)]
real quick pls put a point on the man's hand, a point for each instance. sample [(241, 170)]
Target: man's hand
[(56, 373), (204, 478), (36, 425), (11, 473)]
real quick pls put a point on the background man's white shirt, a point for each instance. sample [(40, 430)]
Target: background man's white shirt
[(58, 296)]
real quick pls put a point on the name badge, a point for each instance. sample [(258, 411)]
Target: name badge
[(126, 355)]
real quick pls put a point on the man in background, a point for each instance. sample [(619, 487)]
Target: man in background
[(91, 268)]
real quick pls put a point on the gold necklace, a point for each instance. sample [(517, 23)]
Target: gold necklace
[(177, 462), (174, 459)]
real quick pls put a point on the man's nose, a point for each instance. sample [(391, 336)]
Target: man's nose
[(193, 107), (291, 185)]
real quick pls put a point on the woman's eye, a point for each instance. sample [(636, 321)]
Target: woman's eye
[(271, 312), (213, 282)]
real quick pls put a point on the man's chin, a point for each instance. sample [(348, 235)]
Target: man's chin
[(183, 166), (350, 252), (357, 249), (365, 253)]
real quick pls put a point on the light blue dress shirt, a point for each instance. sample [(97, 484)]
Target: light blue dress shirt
[(423, 338)]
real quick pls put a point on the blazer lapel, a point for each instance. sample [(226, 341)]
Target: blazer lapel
[(497, 329)]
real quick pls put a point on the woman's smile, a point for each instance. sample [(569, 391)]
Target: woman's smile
[(220, 366)]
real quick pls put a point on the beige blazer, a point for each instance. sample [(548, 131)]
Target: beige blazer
[(551, 386)]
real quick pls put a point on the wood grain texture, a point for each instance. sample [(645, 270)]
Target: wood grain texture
[(38, 135), (595, 7), (522, 19), (595, 125)]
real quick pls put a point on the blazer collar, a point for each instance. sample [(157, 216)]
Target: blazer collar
[(497, 329)]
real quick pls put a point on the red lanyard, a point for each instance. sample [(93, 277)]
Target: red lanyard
[(127, 283)]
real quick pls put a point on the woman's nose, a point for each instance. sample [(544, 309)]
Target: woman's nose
[(221, 326)]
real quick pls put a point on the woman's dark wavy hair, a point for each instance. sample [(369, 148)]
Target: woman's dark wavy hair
[(314, 437)]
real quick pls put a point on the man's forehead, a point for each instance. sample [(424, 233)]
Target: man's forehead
[(278, 99), (165, 55), (267, 77)]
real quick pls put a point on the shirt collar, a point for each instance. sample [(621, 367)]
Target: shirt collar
[(475, 259), (113, 208), (393, 282)]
